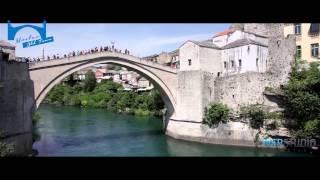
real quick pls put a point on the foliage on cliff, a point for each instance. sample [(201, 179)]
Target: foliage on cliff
[(255, 114), (108, 95), (302, 98), (216, 113)]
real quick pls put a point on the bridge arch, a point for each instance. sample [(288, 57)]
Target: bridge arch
[(46, 77)]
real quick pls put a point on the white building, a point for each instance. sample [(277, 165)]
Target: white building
[(228, 52), (144, 83), (116, 78)]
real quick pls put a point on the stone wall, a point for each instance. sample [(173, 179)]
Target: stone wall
[(242, 89), (16, 104), (189, 101)]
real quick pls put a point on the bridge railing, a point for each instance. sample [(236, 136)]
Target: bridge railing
[(89, 56)]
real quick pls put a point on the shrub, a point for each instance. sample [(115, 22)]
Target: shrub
[(312, 128), (255, 114), (90, 82), (216, 113), (274, 115), (6, 149), (303, 94), (256, 118)]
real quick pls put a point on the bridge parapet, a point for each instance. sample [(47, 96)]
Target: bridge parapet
[(94, 56)]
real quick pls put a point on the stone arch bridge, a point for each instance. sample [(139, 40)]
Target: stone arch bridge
[(46, 74), (180, 91)]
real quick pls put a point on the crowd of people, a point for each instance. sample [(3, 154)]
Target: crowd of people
[(79, 53)]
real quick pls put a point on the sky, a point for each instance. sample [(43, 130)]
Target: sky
[(141, 39)]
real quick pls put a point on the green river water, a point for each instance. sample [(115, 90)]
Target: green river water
[(72, 131)]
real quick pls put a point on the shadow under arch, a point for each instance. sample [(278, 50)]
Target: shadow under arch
[(165, 92)]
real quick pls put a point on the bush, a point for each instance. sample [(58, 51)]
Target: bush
[(303, 94), (255, 114), (216, 113), (90, 82), (257, 118), (6, 149), (312, 128), (274, 115)]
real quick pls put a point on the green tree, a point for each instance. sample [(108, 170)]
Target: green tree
[(216, 113), (90, 82), (71, 81), (312, 128), (303, 94)]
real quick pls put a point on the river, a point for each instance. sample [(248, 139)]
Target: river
[(72, 131)]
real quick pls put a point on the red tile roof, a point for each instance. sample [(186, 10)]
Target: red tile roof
[(225, 32), (101, 70)]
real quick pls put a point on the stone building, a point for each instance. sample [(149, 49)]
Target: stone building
[(165, 58), (7, 49), (228, 52), (307, 39)]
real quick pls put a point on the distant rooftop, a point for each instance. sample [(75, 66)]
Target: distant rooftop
[(242, 42), (6, 44), (207, 43)]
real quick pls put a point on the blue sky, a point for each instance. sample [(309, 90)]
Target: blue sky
[(140, 39)]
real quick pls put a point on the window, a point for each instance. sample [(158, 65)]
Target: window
[(298, 51), (232, 63), (315, 50), (189, 62), (257, 62), (5, 56), (297, 29), (240, 63), (225, 65), (218, 75), (314, 28)]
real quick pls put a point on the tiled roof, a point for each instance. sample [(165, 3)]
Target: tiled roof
[(207, 43), (174, 53), (225, 32), (102, 70), (242, 42)]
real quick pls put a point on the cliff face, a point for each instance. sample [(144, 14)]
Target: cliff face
[(16, 101)]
